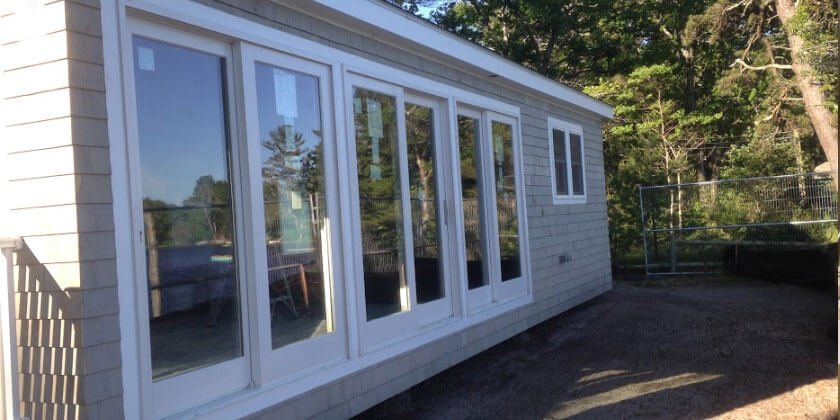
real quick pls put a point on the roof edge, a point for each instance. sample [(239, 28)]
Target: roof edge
[(405, 29)]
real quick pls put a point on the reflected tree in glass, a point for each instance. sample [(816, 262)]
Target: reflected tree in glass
[(289, 110), (506, 212), (377, 160), (560, 170), (419, 121), (468, 147), (187, 213), (577, 163)]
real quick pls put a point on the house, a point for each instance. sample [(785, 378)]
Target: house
[(280, 208)]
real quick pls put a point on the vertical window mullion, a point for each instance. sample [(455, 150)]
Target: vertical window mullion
[(456, 223), (491, 237), (408, 295), (251, 193)]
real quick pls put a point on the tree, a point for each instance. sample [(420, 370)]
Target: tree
[(292, 170), (421, 173), (651, 137), (700, 88), (212, 197), (808, 24)]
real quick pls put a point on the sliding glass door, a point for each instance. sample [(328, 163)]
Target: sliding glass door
[(291, 159), (192, 261)]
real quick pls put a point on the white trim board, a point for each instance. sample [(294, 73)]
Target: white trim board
[(401, 29), (206, 18), (113, 22)]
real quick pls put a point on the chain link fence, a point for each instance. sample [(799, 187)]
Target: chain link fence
[(704, 227)]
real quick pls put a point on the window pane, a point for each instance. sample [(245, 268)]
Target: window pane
[(377, 158), (575, 147), (191, 263), (289, 110), (506, 200), (560, 170), (420, 125), (468, 141)]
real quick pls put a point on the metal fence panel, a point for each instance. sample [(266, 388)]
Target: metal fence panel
[(698, 227)]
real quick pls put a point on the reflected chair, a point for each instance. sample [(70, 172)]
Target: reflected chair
[(285, 272)]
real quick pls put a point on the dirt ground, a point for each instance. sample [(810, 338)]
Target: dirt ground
[(727, 348)]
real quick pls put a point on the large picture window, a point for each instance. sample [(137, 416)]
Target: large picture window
[(187, 212), (568, 173)]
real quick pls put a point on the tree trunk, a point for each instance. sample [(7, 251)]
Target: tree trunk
[(815, 103), (679, 201)]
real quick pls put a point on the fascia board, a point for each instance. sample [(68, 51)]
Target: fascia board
[(378, 20)]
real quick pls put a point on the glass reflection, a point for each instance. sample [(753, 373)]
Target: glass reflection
[(289, 111), (577, 163), (468, 143), (191, 261), (560, 170), (506, 200), (377, 159), (419, 121)]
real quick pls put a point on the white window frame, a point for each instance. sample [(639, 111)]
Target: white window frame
[(314, 353), (170, 395), (568, 129), (380, 332)]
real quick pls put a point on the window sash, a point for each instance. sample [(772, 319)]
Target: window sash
[(567, 162), (315, 352), (169, 395), (576, 152), (560, 170)]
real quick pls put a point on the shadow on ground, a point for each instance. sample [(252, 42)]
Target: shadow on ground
[(736, 348)]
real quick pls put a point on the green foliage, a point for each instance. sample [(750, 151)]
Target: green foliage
[(378, 170), (212, 198), (685, 110), (816, 23)]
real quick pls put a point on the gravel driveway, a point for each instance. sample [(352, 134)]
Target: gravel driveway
[(732, 348)]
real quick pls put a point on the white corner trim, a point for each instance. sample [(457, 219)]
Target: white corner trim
[(112, 16), (408, 29)]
